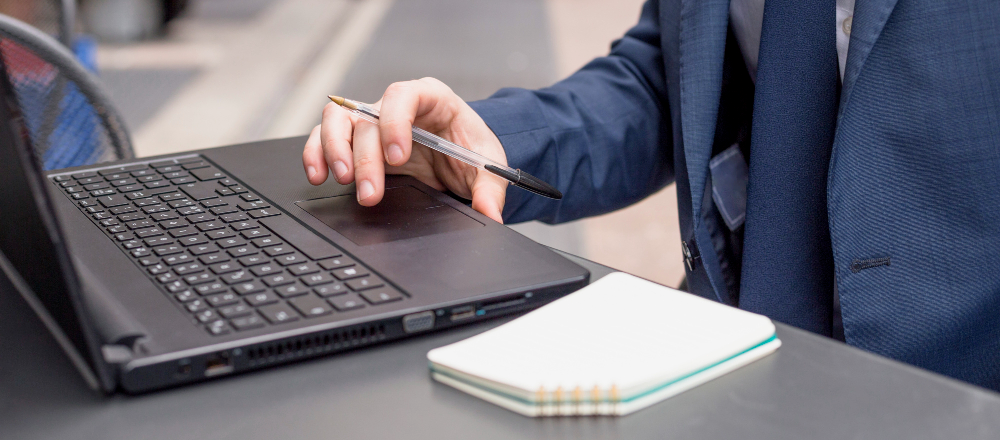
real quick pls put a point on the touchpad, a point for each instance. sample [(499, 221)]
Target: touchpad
[(404, 212)]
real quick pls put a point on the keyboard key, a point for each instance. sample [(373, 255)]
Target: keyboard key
[(311, 306), (235, 311), (206, 315), (267, 269), (380, 296), (124, 236), (228, 182), (304, 269), (238, 189), (219, 234), (365, 283), (250, 206), (336, 263), (261, 299), (222, 299), (196, 305), (200, 278), (99, 185), (123, 169), (148, 178), (117, 176), (107, 222), (176, 174), (157, 269), (83, 175), (292, 290), (211, 226), (151, 232), (220, 210), (327, 290), (210, 173), (73, 189), (180, 203), (61, 178), (140, 173), (139, 252), (183, 232), (317, 279), (279, 313), (224, 192), (157, 184), (117, 229), (275, 251), (168, 250), (198, 191), (240, 276), (266, 242), (198, 218), (277, 280), (349, 273), (294, 258), (211, 203), (202, 249), (227, 243), (149, 205), (219, 327), (170, 169), (174, 224), (148, 261), (158, 241), (213, 258), (261, 213), (239, 226), (234, 217), (123, 182), (174, 286), (139, 224), (237, 252), (254, 260), (249, 197), (185, 295), (132, 244), (187, 269), (177, 259), (190, 210), (254, 233), (247, 323), (210, 288), (248, 288), (173, 196), (161, 216), (102, 215), (347, 302), (193, 240), (111, 201), (130, 217), (80, 196), (301, 238), (174, 162), (95, 209), (86, 203), (129, 188), (167, 277), (102, 192), (226, 267)]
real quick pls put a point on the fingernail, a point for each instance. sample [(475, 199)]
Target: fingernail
[(395, 154), (365, 190), (339, 169), (311, 171)]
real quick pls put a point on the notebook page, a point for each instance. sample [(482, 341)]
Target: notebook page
[(620, 330)]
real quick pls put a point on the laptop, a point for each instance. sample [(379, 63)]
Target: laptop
[(169, 270)]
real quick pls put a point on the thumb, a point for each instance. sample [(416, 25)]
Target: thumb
[(489, 192)]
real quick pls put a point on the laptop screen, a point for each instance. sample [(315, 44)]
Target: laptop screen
[(30, 237)]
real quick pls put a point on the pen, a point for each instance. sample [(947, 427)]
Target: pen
[(519, 178)]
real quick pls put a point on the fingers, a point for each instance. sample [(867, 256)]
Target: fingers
[(489, 192), (312, 158), (402, 103), (369, 169), (336, 137)]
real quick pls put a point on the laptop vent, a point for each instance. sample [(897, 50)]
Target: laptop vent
[(315, 344)]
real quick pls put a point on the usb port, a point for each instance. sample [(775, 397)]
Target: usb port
[(465, 312), (218, 364)]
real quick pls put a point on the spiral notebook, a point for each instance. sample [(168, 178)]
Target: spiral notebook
[(614, 347)]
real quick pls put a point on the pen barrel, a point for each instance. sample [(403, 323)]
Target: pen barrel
[(526, 181)]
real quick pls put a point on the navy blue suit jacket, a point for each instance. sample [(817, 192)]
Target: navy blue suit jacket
[(914, 177)]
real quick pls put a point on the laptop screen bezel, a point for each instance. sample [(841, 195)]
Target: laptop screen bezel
[(83, 348)]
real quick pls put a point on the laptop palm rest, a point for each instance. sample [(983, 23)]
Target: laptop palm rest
[(404, 212)]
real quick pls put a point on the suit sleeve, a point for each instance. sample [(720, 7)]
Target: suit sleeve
[(602, 135)]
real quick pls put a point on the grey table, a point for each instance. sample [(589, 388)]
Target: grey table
[(812, 388)]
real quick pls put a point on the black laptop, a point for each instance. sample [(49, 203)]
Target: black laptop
[(170, 270)]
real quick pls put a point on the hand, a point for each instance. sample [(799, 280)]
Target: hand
[(358, 151)]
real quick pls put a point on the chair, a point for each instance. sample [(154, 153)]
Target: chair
[(70, 118)]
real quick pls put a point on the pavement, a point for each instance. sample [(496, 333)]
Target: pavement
[(232, 71)]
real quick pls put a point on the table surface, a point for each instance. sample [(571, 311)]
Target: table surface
[(811, 388)]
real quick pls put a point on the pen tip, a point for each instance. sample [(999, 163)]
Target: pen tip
[(338, 100)]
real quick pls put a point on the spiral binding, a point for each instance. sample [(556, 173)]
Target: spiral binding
[(577, 402)]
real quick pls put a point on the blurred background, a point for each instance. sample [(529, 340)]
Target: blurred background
[(190, 74)]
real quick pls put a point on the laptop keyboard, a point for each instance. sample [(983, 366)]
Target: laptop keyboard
[(221, 252)]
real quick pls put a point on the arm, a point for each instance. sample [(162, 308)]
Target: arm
[(602, 136)]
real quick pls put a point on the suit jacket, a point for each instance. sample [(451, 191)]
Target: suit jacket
[(914, 179)]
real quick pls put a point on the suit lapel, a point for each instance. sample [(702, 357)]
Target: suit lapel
[(702, 48), (870, 17)]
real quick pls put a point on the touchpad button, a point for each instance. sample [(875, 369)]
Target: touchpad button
[(404, 212)]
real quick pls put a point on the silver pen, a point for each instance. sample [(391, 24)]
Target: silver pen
[(519, 178)]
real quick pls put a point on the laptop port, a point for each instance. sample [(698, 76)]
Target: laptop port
[(218, 364), (460, 313), (416, 322)]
